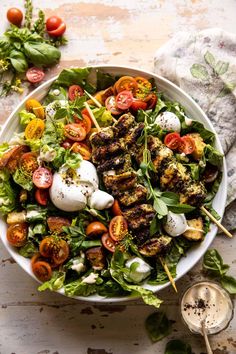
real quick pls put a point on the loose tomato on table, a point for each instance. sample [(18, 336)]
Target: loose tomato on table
[(187, 145), (41, 196), (172, 140), (35, 107), (83, 150), (74, 92), (126, 83), (42, 178), (42, 270), (35, 75), (34, 129), (55, 26), (115, 209), (108, 242), (138, 104), (15, 16), (85, 121), (118, 228), (29, 163), (111, 106), (17, 234), (124, 100), (75, 131), (95, 229)]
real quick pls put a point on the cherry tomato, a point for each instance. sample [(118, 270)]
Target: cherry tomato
[(210, 174), (118, 228), (126, 83), (34, 106), (56, 224), (95, 228), (172, 140), (67, 144), (116, 210), (83, 150), (34, 75), (151, 100), (187, 145), (85, 122), (144, 87), (74, 92), (85, 111), (42, 270), (55, 248), (138, 104), (108, 243), (55, 26), (10, 158), (111, 106), (124, 100), (35, 258), (17, 234), (42, 178), (15, 16), (29, 163), (34, 129), (41, 196), (75, 132)]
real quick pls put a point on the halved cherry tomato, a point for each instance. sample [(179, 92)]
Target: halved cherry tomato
[(85, 122), (55, 248), (46, 246), (74, 92), (35, 75), (83, 150), (144, 87), (85, 111), (11, 157), (118, 228), (75, 132), (124, 99), (59, 31), (34, 129), (42, 270), (55, 26), (41, 196), (34, 106), (111, 105), (56, 224), (187, 145), (29, 163), (126, 83), (42, 178), (17, 234), (172, 140), (108, 243), (95, 228), (138, 104), (67, 144), (15, 16), (35, 258), (151, 100), (116, 210)]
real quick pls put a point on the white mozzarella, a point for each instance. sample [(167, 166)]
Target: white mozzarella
[(140, 272), (100, 200), (176, 224), (86, 172), (168, 121)]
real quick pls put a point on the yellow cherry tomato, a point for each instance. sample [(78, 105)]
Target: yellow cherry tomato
[(35, 107), (34, 129)]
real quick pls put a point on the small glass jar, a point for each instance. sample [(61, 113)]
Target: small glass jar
[(207, 302)]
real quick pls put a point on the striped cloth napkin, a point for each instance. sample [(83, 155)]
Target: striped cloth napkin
[(204, 65)]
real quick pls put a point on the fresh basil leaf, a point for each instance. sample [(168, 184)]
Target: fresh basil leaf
[(154, 226), (18, 61), (229, 283), (61, 113), (181, 208), (41, 54), (160, 207), (170, 198), (77, 76), (177, 347), (213, 156), (5, 47), (157, 326), (104, 80), (214, 264)]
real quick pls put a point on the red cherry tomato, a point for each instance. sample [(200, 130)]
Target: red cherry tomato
[(42, 270), (83, 150), (15, 16), (126, 83), (187, 145), (55, 26), (28, 162), (34, 75), (74, 92), (111, 106), (138, 104), (172, 140), (85, 122), (116, 210), (108, 243), (124, 100), (75, 132), (118, 228), (41, 196), (17, 234), (85, 111), (151, 100), (42, 178)]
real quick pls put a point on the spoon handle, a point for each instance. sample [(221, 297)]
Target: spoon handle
[(208, 347)]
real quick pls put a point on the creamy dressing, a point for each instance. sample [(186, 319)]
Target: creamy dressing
[(208, 302), (91, 278)]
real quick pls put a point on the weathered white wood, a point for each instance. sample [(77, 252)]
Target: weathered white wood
[(113, 32)]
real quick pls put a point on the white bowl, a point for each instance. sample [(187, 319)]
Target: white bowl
[(193, 111)]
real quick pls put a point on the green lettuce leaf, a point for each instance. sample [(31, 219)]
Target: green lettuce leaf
[(77, 76), (28, 250), (103, 116), (213, 156), (55, 283), (26, 117), (7, 193), (24, 180), (104, 80)]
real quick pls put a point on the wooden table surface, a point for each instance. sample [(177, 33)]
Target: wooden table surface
[(112, 32)]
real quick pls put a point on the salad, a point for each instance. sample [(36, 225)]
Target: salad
[(104, 185)]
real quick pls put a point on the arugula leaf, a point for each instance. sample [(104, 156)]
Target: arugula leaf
[(81, 288), (55, 283), (70, 77), (177, 347), (157, 326), (229, 283), (18, 61), (28, 250), (7, 193), (214, 264)]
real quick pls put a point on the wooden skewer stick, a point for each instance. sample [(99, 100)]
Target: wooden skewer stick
[(92, 116), (211, 217), (97, 103), (164, 265)]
